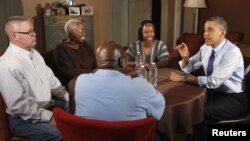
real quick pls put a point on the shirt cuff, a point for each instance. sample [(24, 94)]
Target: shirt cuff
[(66, 96), (183, 69), (46, 115), (202, 80)]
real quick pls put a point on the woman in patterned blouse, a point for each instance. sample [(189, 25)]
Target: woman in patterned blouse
[(151, 49)]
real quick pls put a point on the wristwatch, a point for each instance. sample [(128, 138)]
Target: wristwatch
[(185, 78)]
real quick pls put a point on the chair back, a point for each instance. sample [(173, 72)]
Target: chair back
[(71, 89), (195, 41), (247, 82), (5, 134), (75, 128), (4, 126)]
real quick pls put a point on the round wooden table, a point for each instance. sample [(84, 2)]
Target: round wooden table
[(184, 105)]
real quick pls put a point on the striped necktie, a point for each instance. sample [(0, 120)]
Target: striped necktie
[(210, 65)]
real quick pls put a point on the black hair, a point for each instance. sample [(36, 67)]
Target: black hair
[(140, 36)]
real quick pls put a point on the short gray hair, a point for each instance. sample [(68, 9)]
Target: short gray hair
[(13, 23), (70, 24), (221, 21)]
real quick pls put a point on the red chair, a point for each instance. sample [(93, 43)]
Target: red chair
[(75, 128)]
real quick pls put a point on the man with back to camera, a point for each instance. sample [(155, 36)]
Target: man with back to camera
[(27, 85), (223, 65), (108, 94), (102, 95)]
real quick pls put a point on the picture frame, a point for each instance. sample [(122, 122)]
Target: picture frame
[(74, 11), (87, 10)]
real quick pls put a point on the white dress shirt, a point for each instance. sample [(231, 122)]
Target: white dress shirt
[(27, 84)]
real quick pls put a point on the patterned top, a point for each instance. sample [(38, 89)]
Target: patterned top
[(159, 52)]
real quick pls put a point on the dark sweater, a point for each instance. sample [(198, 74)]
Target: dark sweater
[(73, 62)]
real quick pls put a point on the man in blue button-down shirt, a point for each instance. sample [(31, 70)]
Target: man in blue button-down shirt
[(108, 94), (225, 86)]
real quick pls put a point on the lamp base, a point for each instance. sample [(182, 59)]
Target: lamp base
[(195, 20)]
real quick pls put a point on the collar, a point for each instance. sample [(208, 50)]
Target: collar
[(220, 46), (108, 72), (21, 51)]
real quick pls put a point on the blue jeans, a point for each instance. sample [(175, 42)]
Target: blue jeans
[(40, 131)]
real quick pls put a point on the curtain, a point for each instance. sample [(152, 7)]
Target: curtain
[(8, 8), (156, 17)]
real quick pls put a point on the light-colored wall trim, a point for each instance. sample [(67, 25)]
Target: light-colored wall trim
[(119, 21), (138, 10), (177, 21), (188, 20), (125, 17), (164, 20)]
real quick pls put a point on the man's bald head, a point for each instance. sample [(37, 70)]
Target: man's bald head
[(109, 55)]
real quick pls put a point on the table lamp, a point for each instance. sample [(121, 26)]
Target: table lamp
[(195, 4)]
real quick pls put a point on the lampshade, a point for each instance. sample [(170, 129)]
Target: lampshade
[(195, 4)]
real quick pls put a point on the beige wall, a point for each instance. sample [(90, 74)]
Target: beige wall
[(138, 10), (126, 15), (101, 18), (100, 15)]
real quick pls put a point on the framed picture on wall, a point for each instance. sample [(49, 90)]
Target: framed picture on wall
[(87, 10), (74, 11)]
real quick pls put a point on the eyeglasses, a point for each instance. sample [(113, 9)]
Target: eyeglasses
[(27, 33), (80, 30)]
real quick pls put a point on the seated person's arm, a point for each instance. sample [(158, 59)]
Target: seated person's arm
[(131, 63), (153, 101), (156, 103), (130, 56), (183, 51), (14, 87), (186, 78), (163, 57), (57, 89)]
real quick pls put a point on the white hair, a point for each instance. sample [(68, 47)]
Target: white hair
[(69, 24)]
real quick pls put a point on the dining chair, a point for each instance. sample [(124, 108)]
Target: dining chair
[(71, 90), (75, 128), (5, 134)]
